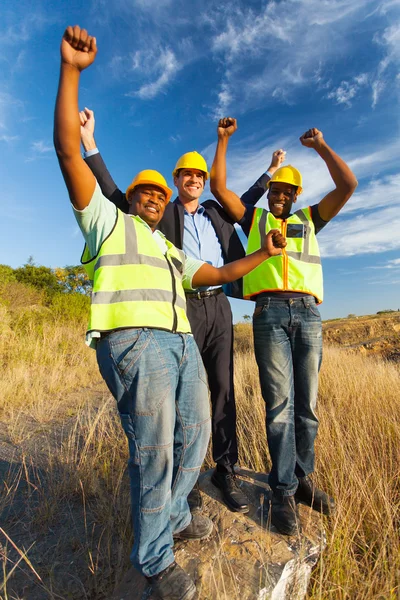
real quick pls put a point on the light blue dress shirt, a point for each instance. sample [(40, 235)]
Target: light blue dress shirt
[(200, 240)]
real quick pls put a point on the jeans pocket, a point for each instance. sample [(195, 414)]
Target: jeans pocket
[(314, 310), (126, 348), (260, 309)]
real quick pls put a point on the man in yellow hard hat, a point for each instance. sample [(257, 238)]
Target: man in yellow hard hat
[(139, 328), (286, 321), (205, 232)]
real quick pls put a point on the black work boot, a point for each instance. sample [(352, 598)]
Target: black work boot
[(172, 584), (312, 496), (284, 514), (232, 495), (195, 500), (199, 528)]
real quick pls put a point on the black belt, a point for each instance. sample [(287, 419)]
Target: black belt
[(205, 294)]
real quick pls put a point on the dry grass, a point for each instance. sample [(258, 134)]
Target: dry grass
[(82, 482)]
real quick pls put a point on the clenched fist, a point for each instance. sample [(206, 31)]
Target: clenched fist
[(274, 242), (226, 127), (78, 48), (311, 138)]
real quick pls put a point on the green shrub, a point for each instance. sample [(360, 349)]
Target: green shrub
[(6, 274), (68, 307)]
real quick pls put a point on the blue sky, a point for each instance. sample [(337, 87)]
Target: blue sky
[(166, 70)]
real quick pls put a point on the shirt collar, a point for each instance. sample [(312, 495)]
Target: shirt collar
[(200, 209), (156, 231)]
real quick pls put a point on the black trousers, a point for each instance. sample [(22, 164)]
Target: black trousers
[(211, 322)]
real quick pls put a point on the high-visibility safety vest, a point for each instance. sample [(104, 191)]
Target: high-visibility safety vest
[(298, 268), (134, 283)]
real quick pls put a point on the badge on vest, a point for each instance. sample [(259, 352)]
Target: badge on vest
[(295, 230)]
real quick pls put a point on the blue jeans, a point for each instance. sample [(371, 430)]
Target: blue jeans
[(288, 349), (159, 383)]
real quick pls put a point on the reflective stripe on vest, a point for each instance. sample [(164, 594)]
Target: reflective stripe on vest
[(298, 268), (134, 284)]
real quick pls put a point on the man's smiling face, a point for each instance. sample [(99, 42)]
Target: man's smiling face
[(280, 198), (190, 184), (148, 201)]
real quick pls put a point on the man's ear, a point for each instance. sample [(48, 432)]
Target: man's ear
[(295, 197), (129, 198), (176, 181)]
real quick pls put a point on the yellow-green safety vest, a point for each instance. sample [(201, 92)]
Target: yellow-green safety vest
[(134, 283), (298, 268)]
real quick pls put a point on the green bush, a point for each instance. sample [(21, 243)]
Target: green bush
[(68, 307), (41, 278), (6, 274)]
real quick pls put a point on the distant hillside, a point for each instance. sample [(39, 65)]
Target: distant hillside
[(370, 335)]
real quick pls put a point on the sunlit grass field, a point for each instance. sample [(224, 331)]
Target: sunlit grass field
[(44, 363)]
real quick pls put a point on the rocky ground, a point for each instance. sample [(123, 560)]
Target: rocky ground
[(373, 335)]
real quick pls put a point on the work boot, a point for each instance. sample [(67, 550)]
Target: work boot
[(284, 514), (172, 584), (199, 528), (232, 495), (312, 496), (195, 500)]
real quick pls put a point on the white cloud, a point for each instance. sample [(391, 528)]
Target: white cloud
[(158, 66), (347, 90), (9, 109), (41, 147), (8, 138), (279, 43), (362, 234), (23, 29)]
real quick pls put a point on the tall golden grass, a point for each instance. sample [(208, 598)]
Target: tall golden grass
[(44, 360)]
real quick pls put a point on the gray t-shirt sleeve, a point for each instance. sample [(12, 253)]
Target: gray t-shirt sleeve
[(97, 220)]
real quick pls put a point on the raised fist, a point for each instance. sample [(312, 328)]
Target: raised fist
[(226, 127), (277, 158), (78, 49), (274, 242), (311, 138), (86, 117)]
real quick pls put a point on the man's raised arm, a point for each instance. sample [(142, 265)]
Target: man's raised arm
[(343, 178), (96, 164), (235, 206), (78, 51), (229, 200)]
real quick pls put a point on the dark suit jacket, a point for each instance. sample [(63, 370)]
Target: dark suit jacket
[(171, 224)]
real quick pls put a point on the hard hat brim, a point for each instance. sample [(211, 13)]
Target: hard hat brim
[(175, 172), (299, 188), (164, 188)]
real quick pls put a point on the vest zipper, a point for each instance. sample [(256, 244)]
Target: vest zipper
[(285, 259), (175, 323)]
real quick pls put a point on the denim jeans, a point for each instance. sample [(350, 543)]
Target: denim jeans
[(159, 383), (288, 349)]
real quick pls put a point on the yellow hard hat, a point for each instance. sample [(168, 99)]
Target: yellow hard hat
[(288, 174), (148, 176), (191, 160)]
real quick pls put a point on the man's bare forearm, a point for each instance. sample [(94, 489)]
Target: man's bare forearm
[(229, 200), (209, 275), (66, 115), (340, 172), (343, 178)]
